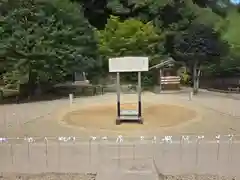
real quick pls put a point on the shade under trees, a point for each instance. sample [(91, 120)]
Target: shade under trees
[(44, 41)]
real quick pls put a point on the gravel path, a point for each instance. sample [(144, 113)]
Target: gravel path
[(216, 114)]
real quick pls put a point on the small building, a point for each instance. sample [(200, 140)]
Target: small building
[(169, 79), (168, 76)]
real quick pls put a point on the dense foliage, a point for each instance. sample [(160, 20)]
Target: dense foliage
[(130, 38), (43, 41), (197, 46), (46, 40)]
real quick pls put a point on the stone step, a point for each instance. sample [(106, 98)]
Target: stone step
[(129, 112), (127, 176)]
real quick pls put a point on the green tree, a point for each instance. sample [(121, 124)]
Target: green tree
[(44, 41), (98, 11), (229, 29), (231, 33), (231, 65), (130, 38), (199, 45)]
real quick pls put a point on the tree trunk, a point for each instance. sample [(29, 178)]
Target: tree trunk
[(196, 72), (32, 83), (160, 80), (198, 79), (1, 94)]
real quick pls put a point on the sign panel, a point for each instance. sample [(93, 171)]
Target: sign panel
[(128, 64)]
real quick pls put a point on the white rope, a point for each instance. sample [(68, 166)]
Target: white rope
[(3, 139), (104, 138), (218, 138), (66, 139), (167, 139), (154, 140), (230, 137), (93, 138), (29, 139), (199, 138), (119, 139), (186, 138)]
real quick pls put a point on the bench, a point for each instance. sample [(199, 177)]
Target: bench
[(237, 89)]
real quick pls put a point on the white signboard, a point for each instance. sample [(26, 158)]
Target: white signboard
[(128, 64)]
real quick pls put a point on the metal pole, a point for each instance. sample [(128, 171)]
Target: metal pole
[(28, 151), (119, 154), (181, 149), (154, 146), (229, 151), (46, 151), (99, 153), (59, 155), (12, 153), (230, 144), (197, 153), (90, 151), (139, 95), (134, 151), (218, 149), (163, 149), (118, 95)]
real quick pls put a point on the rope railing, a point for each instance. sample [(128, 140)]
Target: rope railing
[(175, 154)]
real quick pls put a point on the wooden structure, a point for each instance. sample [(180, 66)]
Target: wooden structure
[(129, 64), (168, 79)]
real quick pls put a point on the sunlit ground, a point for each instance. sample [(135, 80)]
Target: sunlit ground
[(155, 116)]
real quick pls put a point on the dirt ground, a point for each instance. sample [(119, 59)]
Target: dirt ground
[(163, 114), (103, 117)]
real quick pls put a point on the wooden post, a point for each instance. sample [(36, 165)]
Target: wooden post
[(118, 98), (160, 80), (139, 96)]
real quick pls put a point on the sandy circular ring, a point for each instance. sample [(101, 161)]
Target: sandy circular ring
[(156, 116)]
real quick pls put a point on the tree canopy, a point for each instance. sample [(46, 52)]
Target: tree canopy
[(44, 41), (130, 37), (200, 44)]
